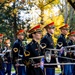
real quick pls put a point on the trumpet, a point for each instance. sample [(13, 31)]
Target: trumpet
[(48, 60), (48, 53)]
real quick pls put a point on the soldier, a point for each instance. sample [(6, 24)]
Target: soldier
[(71, 36), (7, 56), (47, 39), (1, 60), (61, 42), (17, 53), (32, 50)]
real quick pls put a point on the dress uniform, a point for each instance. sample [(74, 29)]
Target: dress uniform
[(33, 50), (7, 57), (61, 42), (71, 54), (1, 60), (17, 54), (47, 39)]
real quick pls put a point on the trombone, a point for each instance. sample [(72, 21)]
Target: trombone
[(48, 54)]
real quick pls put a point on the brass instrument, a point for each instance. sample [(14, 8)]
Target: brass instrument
[(48, 55)]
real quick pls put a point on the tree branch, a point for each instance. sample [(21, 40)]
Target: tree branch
[(72, 3)]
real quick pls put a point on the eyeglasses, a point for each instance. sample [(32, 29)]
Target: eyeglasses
[(39, 32), (65, 29), (21, 34), (52, 27), (73, 35)]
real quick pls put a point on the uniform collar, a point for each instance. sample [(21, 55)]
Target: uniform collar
[(63, 35), (34, 41), (49, 35), (19, 40), (71, 41)]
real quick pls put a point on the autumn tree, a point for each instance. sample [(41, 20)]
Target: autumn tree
[(20, 14)]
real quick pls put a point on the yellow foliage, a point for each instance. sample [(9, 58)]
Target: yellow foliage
[(48, 1), (7, 4), (12, 0), (39, 19), (20, 7), (40, 5), (29, 2), (47, 22), (56, 1), (47, 6), (29, 40), (53, 1), (15, 11), (57, 32), (58, 20), (54, 39), (43, 32), (1, 1)]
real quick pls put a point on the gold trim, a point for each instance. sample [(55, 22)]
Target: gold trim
[(15, 50), (43, 45), (26, 63), (27, 53), (60, 44)]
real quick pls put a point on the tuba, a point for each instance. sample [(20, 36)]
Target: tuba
[(48, 56)]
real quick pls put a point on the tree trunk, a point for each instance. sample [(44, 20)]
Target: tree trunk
[(71, 18), (65, 12), (15, 24), (72, 2)]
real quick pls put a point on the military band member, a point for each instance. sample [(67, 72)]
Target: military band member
[(1, 60), (47, 39), (17, 53), (71, 36), (7, 56), (33, 49), (61, 42)]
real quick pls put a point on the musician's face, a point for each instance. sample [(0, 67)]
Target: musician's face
[(8, 44), (64, 31), (37, 36), (1, 39), (72, 38), (20, 36), (50, 31)]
